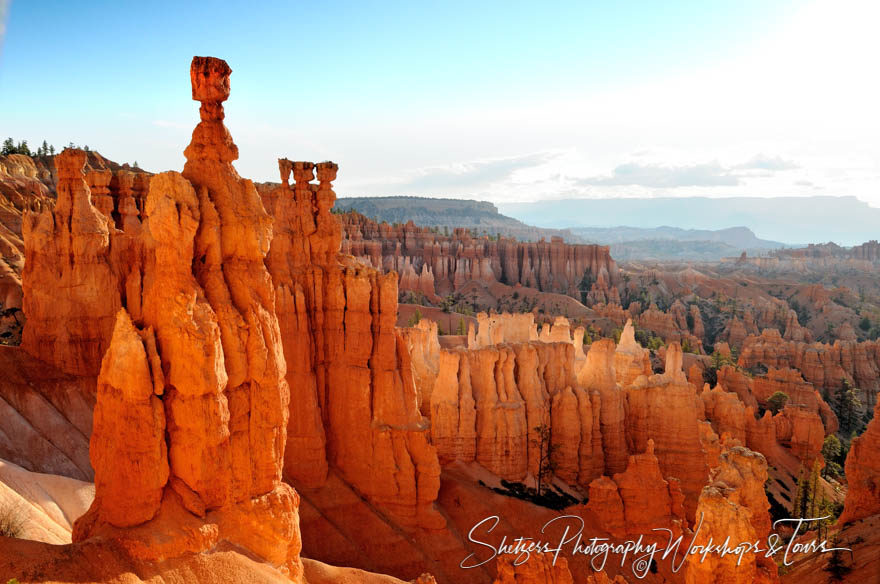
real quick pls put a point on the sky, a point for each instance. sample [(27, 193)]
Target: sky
[(500, 101)]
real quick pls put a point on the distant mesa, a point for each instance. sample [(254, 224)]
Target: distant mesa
[(479, 216), (793, 220)]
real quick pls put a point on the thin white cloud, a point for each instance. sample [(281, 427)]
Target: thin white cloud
[(709, 174), (771, 163), (466, 177)]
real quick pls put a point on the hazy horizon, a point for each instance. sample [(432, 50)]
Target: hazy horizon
[(675, 100)]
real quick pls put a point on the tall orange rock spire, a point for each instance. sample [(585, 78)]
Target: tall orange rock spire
[(192, 409), (354, 405)]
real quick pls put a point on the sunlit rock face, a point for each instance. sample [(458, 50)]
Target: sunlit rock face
[(190, 424), (354, 404)]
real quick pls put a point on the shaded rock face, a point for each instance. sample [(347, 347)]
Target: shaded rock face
[(673, 325), (488, 402), (663, 408), (436, 265), (638, 500), (47, 416), (863, 474), (789, 439), (354, 402), (823, 365), (192, 406)]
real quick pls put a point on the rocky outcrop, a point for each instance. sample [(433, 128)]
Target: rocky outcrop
[(790, 439), (24, 186), (863, 474), (672, 326), (663, 408), (639, 499), (823, 365), (488, 402), (354, 403), (71, 292), (726, 412), (423, 345), (437, 265), (799, 392), (598, 377), (733, 506), (631, 360), (494, 329), (190, 422), (29, 186), (736, 381)]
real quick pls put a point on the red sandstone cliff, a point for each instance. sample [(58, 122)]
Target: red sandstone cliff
[(354, 403), (437, 265), (823, 365), (863, 474)]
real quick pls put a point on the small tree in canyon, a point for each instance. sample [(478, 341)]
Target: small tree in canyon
[(546, 466), (831, 449), (847, 406), (777, 401)]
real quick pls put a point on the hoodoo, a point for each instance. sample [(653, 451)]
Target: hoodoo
[(191, 415)]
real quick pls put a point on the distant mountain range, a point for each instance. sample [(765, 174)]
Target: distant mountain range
[(673, 243), (481, 216), (844, 220), (738, 237), (699, 232)]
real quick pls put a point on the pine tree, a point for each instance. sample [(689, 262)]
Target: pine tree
[(830, 451), (837, 565), (847, 406), (44, 148), (8, 147), (814, 490), (802, 499), (808, 504), (52, 150), (22, 148)]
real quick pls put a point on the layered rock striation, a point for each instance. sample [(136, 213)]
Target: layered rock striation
[(825, 366), (354, 403), (437, 265)]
